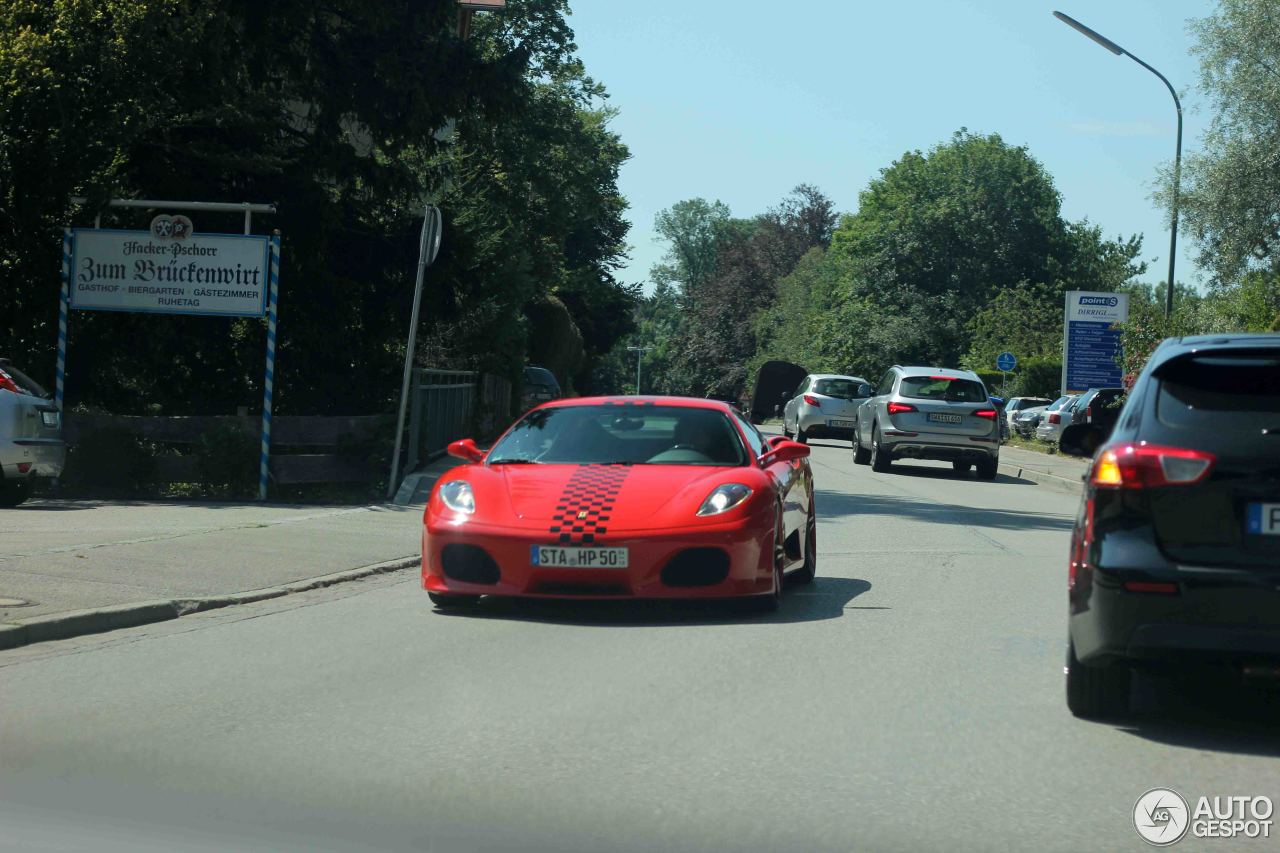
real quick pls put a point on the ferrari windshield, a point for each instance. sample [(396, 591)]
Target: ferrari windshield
[(623, 435)]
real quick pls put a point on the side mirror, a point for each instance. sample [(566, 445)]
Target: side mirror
[(775, 440), (466, 449), (785, 451), (1080, 440)]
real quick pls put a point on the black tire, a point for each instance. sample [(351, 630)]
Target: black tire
[(861, 456), (1097, 692), (880, 458), (13, 494), (449, 601), (961, 467), (987, 469), (801, 435), (771, 602), (786, 433), (810, 569)]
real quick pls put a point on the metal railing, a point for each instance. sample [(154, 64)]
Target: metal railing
[(446, 405)]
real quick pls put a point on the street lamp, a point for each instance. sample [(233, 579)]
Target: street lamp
[(639, 351), (1177, 160)]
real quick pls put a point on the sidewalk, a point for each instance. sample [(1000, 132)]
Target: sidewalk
[(1062, 472), (76, 567)]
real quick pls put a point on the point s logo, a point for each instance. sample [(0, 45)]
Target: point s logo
[(165, 227), (1105, 301)]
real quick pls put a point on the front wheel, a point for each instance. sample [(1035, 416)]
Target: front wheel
[(810, 569), (449, 601)]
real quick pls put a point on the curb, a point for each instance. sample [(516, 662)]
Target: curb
[(1045, 479), (76, 623)]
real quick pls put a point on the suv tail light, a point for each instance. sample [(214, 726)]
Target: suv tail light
[(989, 414), (1149, 466), (899, 408), (1055, 418), (812, 400)]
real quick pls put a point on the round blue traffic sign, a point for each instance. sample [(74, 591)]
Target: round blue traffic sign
[(1006, 361)]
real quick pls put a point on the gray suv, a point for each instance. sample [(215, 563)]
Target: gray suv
[(929, 413)]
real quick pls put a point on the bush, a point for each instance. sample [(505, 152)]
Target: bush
[(112, 461), (227, 463), (1037, 377)]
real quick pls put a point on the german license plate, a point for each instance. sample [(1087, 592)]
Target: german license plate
[(1264, 519), (832, 422), (565, 557), (939, 418)]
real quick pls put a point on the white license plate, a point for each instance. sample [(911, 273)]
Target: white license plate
[(945, 419), (564, 557), (832, 422), (1264, 519)]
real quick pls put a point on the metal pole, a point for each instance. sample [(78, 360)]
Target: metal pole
[(64, 304), (426, 254), (268, 385), (1177, 161), (639, 355)]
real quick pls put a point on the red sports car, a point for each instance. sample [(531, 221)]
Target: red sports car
[(622, 497)]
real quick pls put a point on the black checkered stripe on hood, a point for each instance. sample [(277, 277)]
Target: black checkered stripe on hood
[(583, 510)]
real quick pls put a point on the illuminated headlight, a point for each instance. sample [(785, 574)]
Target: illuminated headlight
[(457, 496), (724, 498)]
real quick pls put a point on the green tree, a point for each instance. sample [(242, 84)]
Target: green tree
[(1230, 201)]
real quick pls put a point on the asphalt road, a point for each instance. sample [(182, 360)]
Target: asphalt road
[(911, 699)]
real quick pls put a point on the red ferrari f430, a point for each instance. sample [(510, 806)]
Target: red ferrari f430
[(622, 497)]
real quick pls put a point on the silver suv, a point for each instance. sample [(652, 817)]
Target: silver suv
[(30, 435), (929, 413)]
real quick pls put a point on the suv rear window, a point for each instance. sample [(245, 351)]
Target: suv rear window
[(844, 389), (943, 388), (1236, 392)]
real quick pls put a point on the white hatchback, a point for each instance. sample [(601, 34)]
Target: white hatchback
[(824, 405)]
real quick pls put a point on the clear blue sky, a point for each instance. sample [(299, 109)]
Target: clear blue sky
[(740, 101)]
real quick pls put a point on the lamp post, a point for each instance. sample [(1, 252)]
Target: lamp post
[(639, 351), (1177, 160)]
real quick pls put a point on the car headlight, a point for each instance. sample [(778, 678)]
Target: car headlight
[(458, 497), (724, 498)]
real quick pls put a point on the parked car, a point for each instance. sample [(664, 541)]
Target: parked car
[(929, 413), (31, 443), (1001, 417), (1175, 552), (1101, 407), (540, 385), (1018, 405), (1056, 418), (824, 406)]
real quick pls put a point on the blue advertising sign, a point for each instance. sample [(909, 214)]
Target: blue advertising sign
[(1091, 357), (1006, 361)]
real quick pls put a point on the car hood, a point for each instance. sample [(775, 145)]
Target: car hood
[(632, 495)]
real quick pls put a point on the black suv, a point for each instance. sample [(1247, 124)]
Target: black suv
[(1175, 556)]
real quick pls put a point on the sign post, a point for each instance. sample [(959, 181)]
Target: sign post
[(172, 269), (1091, 341), (1005, 362), (428, 248)]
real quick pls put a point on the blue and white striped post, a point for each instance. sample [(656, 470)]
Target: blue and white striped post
[(64, 304), (264, 469)]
